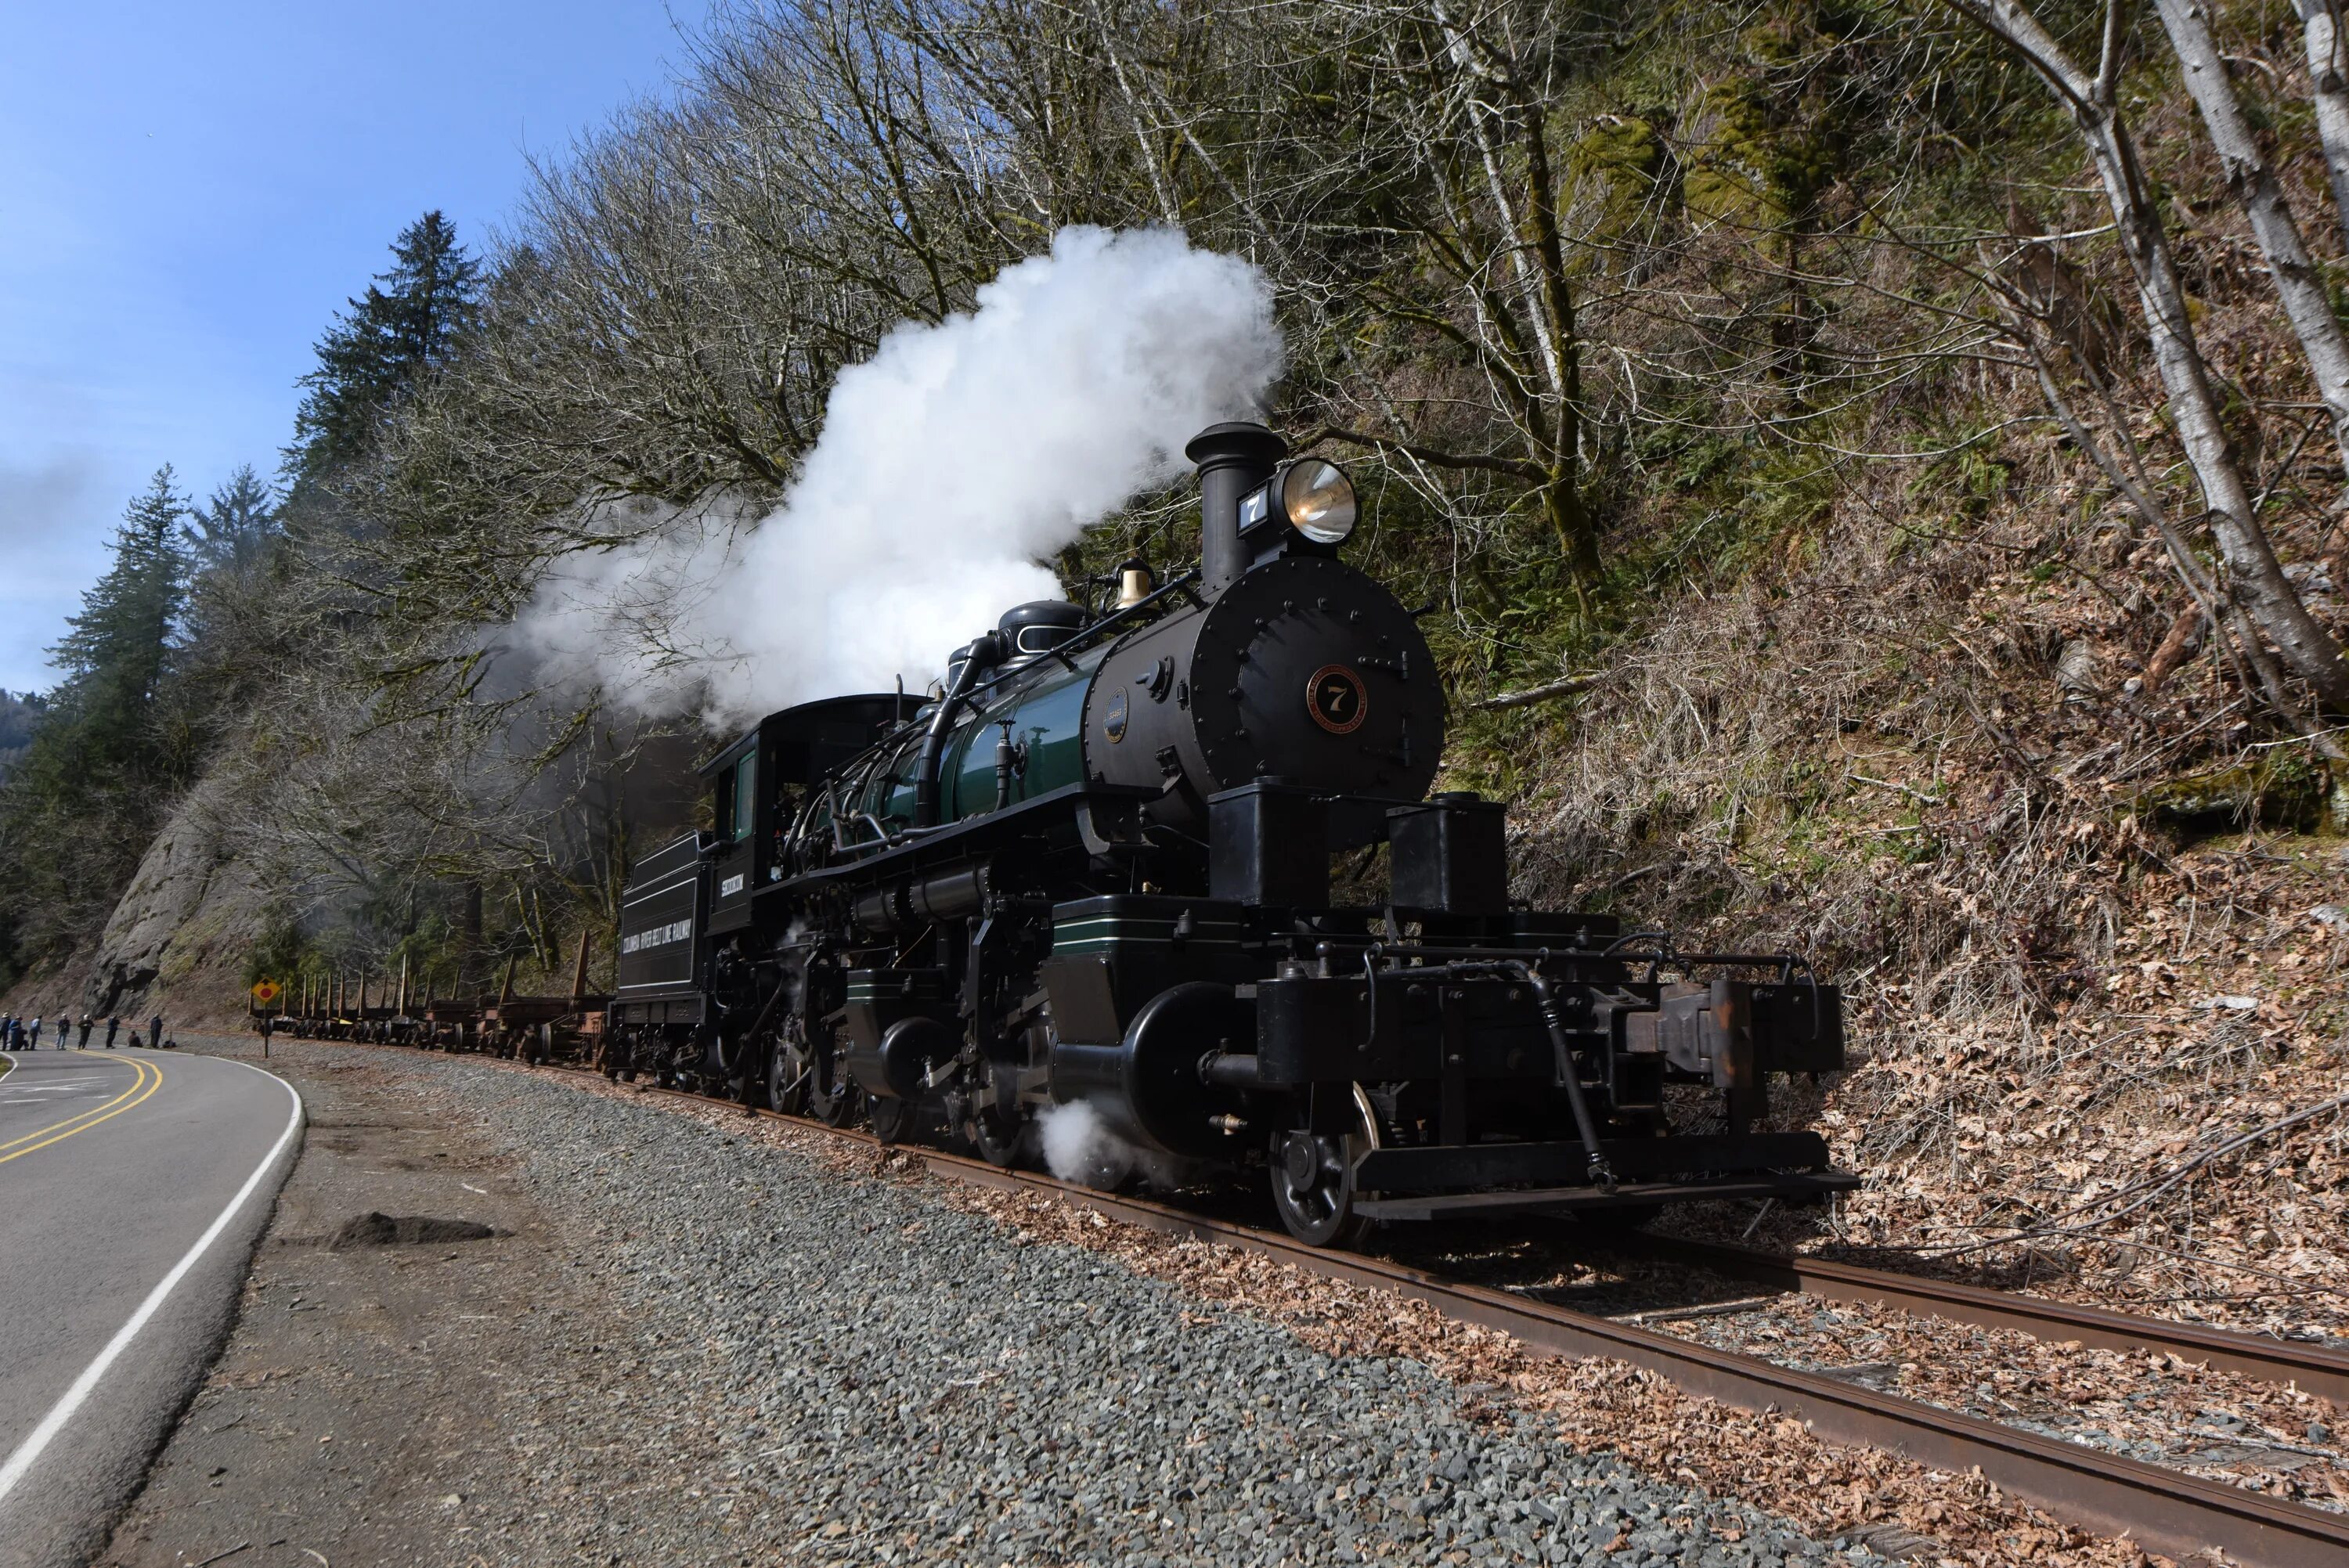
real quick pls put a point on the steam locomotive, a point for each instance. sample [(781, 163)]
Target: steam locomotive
[(1094, 865)]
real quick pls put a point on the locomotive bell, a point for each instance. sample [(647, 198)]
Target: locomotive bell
[(1136, 582)]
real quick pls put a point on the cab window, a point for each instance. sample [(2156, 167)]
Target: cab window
[(746, 797), (723, 807)]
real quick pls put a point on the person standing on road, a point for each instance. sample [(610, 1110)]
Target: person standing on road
[(86, 1021), (111, 1025), (36, 1034), (155, 1033)]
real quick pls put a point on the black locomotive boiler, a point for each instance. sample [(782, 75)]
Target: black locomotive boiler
[(1095, 865)]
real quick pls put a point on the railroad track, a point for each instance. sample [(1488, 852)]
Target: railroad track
[(2162, 1510), (2312, 1368)]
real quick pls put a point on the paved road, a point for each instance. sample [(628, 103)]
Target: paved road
[(133, 1185)]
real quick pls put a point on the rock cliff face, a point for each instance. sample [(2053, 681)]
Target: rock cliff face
[(183, 925)]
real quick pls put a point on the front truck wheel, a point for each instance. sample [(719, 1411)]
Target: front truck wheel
[(1313, 1178), (895, 1121)]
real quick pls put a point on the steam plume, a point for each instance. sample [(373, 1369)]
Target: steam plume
[(1079, 1147), (950, 462)]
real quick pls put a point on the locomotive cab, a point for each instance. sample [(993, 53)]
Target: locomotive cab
[(760, 786), (693, 951)]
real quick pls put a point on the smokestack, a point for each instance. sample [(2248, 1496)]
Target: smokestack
[(1232, 459)]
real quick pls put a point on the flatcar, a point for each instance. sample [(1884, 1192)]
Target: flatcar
[(1094, 867)]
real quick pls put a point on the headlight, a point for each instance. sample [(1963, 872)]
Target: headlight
[(1318, 499)]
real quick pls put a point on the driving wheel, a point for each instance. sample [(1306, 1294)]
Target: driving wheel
[(831, 1098), (997, 1127), (787, 1076)]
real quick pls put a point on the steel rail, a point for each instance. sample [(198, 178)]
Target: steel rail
[(2163, 1510), (2312, 1368)]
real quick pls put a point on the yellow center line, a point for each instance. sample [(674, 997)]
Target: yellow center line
[(138, 1077), (147, 1077)]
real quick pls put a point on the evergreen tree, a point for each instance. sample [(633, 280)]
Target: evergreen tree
[(407, 324), (118, 651), (80, 803), (233, 531), (230, 640), (20, 717)]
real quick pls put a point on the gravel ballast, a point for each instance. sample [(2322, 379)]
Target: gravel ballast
[(837, 1368)]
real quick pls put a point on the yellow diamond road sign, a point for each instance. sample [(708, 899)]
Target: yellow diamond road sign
[(266, 992)]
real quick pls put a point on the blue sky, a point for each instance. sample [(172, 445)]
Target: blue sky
[(188, 193)]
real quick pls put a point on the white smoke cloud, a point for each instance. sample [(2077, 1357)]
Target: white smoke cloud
[(949, 463), (1079, 1147), (633, 618)]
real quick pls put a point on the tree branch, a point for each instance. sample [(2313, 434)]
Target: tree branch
[(1514, 468)]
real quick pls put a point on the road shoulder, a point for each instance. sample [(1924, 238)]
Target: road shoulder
[(370, 1402)]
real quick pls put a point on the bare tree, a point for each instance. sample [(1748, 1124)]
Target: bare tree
[(2254, 576), (2328, 89), (2296, 281), (1467, 253)]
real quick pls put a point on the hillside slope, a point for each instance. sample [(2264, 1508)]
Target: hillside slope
[(2092, 936)]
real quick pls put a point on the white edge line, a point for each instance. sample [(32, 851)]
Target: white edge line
[(29, 1451)]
